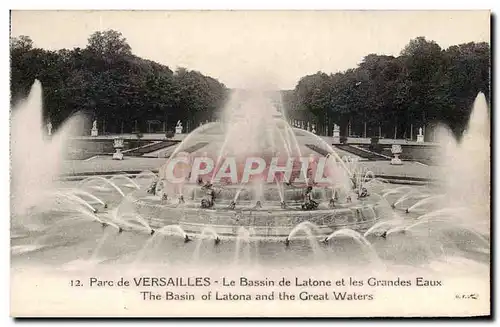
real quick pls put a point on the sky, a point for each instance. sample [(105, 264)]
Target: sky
[(248, 48)]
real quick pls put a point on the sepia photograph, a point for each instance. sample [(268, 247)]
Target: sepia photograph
[(246, 163)]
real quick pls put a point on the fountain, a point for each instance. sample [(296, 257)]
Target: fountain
[(466, 165), (213, 199), (35, 159)]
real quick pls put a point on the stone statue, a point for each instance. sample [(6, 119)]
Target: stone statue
[(420, 131), (314, 128), (209, 200), (309, 203), (94, 131), (336, 133), (118, 145), (178, 127), (49, 128)]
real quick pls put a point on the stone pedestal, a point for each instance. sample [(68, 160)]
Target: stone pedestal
[(118, 155), (396, 160), (336, 133), (396, 151), (118, 145)]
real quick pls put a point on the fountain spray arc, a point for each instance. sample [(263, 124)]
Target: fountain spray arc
[(36, 158), (389, 230), (36, 163)]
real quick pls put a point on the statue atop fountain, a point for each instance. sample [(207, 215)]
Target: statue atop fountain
[(152, 188), (420, 136), (178, 127), (94, 131), (313, 128), (309, 203), (363, 193), (331, 203), (396, 151), (49, 128), (209, 200)]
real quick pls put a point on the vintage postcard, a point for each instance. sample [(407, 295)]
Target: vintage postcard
[(250, 163)]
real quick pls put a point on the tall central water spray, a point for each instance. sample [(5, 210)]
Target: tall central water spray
[(466, 163), (251, 125)]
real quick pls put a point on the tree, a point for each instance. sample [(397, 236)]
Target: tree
[(313, 94), (395, 95), (198, 97), (21, 43), (26, 62), (423, 61), (108, 43), (466, 72), (106, 81)]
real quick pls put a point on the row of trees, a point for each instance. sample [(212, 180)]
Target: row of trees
[(385, 95), (394, 96), (107, 82)]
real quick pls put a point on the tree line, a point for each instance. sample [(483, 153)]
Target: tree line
[(383, 96), (106, 82), (394, 96)]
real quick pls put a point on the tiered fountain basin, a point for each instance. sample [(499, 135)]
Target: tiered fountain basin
[(270, 221), (414, 225)]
